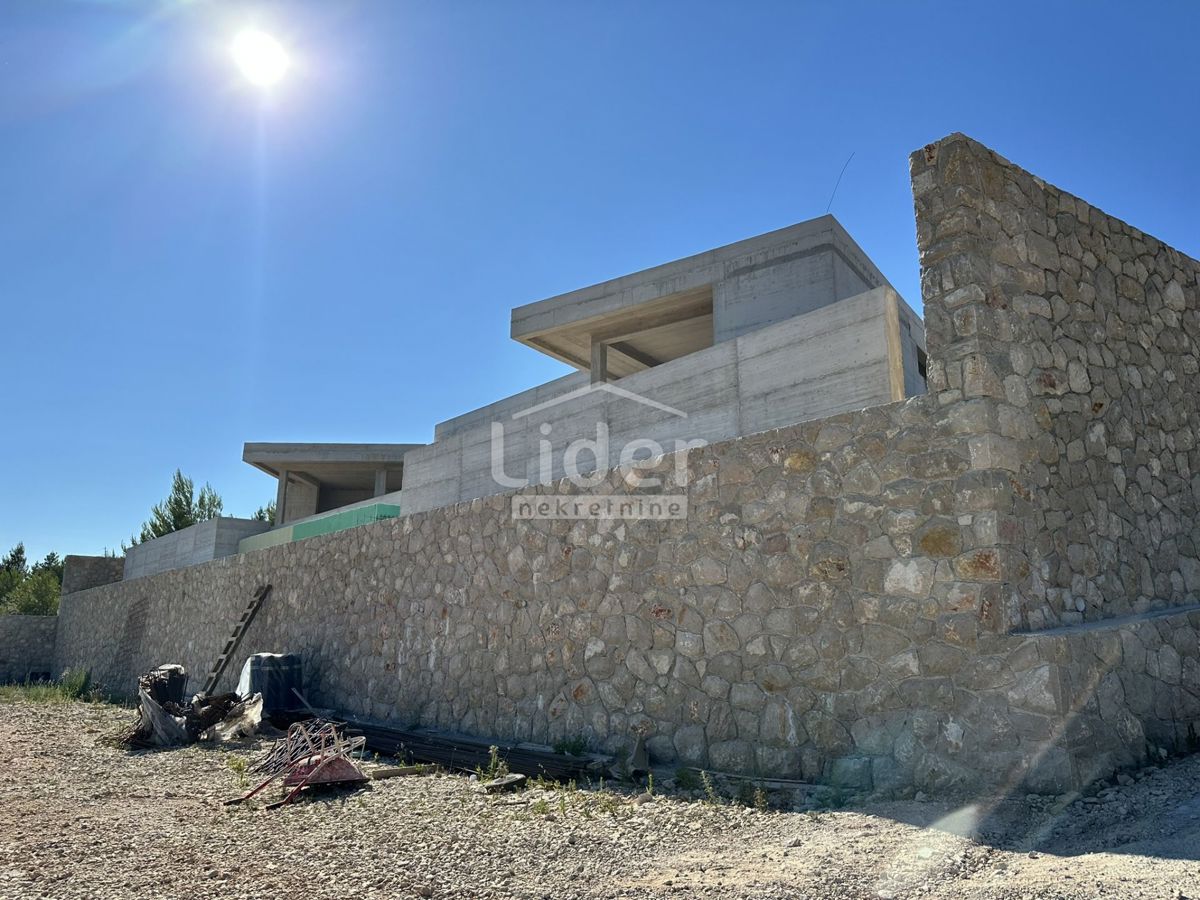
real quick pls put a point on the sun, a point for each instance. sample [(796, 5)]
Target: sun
[(261, 58)]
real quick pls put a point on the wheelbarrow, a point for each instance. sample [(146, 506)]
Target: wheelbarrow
[(313, 753)]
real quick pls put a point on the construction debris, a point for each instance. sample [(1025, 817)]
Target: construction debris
[(315, 752), (464, 754), (274, 675), (509, 782), (382, 772), (165, 721)]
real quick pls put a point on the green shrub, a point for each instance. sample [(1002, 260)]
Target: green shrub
[(74, 683), (575, 746)]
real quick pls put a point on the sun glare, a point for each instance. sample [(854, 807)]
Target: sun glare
[(261, 58)]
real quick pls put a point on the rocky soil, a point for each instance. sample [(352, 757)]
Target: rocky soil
[(81, 818)]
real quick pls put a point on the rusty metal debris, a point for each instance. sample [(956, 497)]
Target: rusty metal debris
[(314, 752)]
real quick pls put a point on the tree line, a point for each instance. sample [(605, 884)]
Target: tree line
[(30, 590), (34, 589)]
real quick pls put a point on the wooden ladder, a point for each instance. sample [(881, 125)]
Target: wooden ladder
[(239, 631)]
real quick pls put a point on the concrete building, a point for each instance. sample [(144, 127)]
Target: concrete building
[(318, 478), (774, 330)]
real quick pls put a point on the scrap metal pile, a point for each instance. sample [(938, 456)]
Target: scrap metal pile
[(165, 720), (314, 752)]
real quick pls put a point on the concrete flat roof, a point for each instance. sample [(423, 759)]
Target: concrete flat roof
[(674, 295), (338, 465)]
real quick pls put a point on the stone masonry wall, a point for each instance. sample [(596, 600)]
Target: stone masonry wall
[(848, 599), (754, 636), (26, 647), (1083, 335), (818, 615)]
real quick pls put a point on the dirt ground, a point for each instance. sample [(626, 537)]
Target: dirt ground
[(81, 818)]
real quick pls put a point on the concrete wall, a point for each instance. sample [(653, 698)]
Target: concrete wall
[(757, 294), (835, 358), (300, 501), (1081, 335), (200, 543), (484, 415), (82, 572), (27, 647), (755, 282)]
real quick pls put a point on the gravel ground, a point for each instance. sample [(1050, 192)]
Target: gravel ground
[(81, 818)]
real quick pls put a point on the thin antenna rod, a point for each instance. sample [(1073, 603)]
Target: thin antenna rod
[(829, 205)]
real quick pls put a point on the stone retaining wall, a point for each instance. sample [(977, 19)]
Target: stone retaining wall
[(27, 647), (929, 594), (1081, 335)]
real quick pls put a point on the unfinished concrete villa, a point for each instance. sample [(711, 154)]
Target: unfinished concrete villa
[(952, 555)]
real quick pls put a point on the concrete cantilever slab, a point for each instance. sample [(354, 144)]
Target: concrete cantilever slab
[(269, 455), (315, 478), (667, 311)]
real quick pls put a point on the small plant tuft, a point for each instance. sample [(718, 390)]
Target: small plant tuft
[(496, 767), (711, 796), (237, 765), (760, 799), (575, 746), (75, 684)]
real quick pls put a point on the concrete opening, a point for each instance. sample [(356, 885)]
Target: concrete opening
[(634, 339)]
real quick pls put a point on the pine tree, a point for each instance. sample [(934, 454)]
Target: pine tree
[(181, 509)]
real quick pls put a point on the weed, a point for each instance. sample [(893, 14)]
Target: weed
[(546, 784), (497, 768), (760, 799), (710, 790), (650, 783), (237, 765), (575, 746), (541, 807), (608, 803), (754, 795), (685, 780), (75, 684)]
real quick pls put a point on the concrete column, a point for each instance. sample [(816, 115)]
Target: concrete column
[(380, 482), (599, 361), (281, 498)]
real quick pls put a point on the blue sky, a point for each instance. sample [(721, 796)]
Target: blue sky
[(186, 265)]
